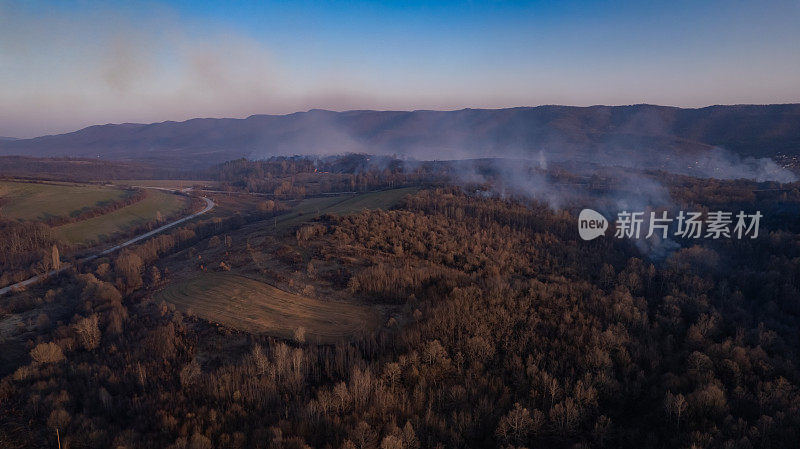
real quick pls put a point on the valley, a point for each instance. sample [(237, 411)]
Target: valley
[(343, 290)]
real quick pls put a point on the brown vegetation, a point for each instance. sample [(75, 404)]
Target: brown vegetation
[(505, 331), (242, 303)]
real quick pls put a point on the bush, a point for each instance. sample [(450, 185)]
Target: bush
[(47, 353)]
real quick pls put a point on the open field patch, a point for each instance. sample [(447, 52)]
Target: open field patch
[(165, 183), (252, 306), (105, 226), (38, 201), (311, 208)]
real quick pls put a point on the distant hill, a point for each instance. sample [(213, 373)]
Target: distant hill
[(641, 135), (7, 138)]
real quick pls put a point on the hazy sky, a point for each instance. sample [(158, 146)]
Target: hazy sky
[(65, 65)]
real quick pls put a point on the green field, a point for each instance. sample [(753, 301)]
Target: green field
[(105, 226), (311, 208), (252, 306), (38, 201)]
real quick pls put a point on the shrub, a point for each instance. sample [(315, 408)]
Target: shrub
[(47, 353)]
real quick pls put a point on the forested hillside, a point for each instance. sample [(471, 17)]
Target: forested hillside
[(501, 329)]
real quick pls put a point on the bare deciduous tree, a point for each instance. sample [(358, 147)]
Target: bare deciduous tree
[(260, 361), (88, 332), (56, 258)]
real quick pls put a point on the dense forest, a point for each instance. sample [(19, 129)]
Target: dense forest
[(502, 329), (303, 175)]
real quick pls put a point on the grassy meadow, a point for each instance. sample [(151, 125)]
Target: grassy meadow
[(103, 227), (310, 208), (253, 306), (38, 201)]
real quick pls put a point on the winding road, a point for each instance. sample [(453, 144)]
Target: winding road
[(209, 205)]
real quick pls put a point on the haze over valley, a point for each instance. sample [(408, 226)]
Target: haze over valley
[(399, 225)]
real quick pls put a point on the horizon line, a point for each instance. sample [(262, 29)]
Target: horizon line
[(344, 111)]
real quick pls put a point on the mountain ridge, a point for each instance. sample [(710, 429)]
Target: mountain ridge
[(598, 132)]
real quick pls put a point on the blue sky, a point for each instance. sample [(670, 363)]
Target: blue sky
[(64, 65)]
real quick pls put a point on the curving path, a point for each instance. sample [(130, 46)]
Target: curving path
[(209, 205)]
